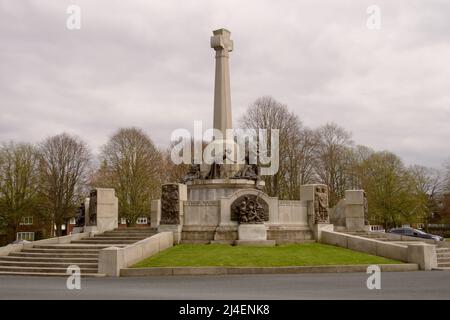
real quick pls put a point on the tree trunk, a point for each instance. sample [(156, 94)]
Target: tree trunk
[(58, 229)]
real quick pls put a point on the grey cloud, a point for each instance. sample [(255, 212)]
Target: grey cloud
[(148, 64)]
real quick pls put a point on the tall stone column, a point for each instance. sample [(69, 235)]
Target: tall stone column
[(222, 44)]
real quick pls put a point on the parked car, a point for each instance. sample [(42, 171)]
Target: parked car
[(415, 233)]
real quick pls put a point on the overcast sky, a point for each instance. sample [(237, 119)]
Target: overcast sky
[(149, 64)]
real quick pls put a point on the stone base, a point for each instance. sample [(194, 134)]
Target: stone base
[(226, 233), (92, 230), (255, 242), (222, 242), (198, 233), (174, 228), (290, 233), (318, 230), (252, 232), (78, 230)]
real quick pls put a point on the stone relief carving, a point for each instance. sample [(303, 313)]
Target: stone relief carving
[(93, 208), (249, 209), (249, 171), (321, 205), (366, 209), (192, 174), (80, 216), (170, 204)]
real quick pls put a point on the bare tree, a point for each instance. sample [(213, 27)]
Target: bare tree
[(357, 156), (299, 162), (132, 165), (18, 185), (333, 159), (65, 162), (267, 113), (447, 176)]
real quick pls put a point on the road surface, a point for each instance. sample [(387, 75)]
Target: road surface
[(394, 285)]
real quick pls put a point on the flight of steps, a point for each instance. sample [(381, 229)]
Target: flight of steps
[(53, 259), (443, 252), (443, 258), (380, 236)]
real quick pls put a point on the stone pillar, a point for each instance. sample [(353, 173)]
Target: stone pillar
[(316, 197), (172, 210), (355, 206), (317, 211), (155, 213), (423, 254), (103, 212), (222, 44)]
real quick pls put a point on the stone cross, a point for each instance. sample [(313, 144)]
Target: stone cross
[(222, 44)]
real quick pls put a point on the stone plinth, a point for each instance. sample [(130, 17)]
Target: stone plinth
[(172, 209), (309, 195), (174, 228), (354, 210), (106, 208), (354, 197), (253, 234)]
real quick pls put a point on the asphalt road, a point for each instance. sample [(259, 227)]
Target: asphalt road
[(394, 285)]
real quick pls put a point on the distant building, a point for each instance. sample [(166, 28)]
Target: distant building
[(143, 222), (32, 228)]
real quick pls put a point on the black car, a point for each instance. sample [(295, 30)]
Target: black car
[(415, 233)]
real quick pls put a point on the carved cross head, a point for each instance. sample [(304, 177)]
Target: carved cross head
[(221, 40)]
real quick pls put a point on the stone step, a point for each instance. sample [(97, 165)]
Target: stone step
[(43, 269), (443, 264), (134, 230), (443, 250), (114, 238), (49, 258), (195, 241), (77, 246), (46, 264), (104, 241), (59, 251), (443, 255), (443, 260), (47, 274), (442, 268), (119, 237)]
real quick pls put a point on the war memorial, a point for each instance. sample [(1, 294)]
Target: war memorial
[(218, 203)]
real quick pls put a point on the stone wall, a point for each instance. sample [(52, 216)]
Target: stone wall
[(421, 253), (111, 260)]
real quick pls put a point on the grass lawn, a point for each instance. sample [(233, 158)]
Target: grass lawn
[(308, 254)]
